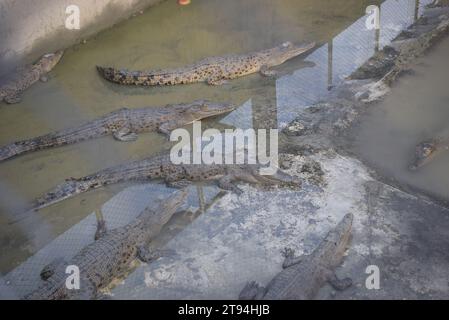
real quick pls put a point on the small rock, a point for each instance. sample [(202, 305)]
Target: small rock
[(361, 95), (296, 128), (312, 171), (286, 161)]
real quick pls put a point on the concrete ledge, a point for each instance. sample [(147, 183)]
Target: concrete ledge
[(30, 28)]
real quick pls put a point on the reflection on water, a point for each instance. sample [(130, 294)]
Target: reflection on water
[(132, 201), (171, 36), (417, 109), (341, 56)]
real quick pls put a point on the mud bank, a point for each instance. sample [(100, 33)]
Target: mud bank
[(29, 29)]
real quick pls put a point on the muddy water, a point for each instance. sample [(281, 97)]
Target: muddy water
[(166, 36), (417, 109)]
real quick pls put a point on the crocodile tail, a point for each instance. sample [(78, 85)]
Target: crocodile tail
[(152, 220), (17, 148), (14, 149), (108, 73), (87, 131)]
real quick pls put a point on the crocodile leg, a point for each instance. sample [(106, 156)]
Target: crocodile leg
[(179, 184), (246, 176), (174, 181), (168, 126), (280, 178), (101, 225), (265, 71), (44, 78), (12, 98), (290, 259), (125, 135), (252, 291), (51, 268), (201, 200), (146, 255), (249, 177), (226, 183), (339, 284)]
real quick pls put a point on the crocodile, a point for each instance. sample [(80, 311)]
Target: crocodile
[(302, 277), (160, 167), (124, 124), (109, 257), (11, 90), (213, 70), (429, 149)]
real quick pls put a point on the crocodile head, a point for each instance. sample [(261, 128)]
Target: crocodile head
[(286, 51), (200, 109), (278, 178), (424, 152), (50, 60), (338, 239), (68, 189)]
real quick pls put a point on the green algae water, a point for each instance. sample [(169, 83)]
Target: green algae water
[(165, 36)]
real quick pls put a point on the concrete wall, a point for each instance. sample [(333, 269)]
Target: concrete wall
[(30, 28)]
